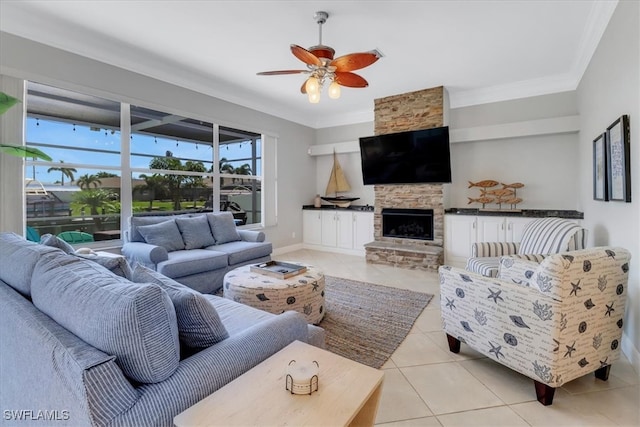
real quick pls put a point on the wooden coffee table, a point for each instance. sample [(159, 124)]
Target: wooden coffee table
[(348, 394)]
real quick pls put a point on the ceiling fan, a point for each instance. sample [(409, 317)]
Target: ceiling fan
[(322, 67)]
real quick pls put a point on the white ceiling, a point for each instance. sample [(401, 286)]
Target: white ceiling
[(481, 51)]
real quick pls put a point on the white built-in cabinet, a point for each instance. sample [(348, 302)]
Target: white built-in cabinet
[(461, 231), (337, 230)]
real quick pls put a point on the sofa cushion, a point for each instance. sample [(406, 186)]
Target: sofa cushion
[(240, 252), (134, 322), (195, 232), (186, 263), (199, 325), (223, 227), (165, 234), (56, 242), (22, 255)]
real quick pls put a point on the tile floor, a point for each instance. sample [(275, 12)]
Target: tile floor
[(426, 385)]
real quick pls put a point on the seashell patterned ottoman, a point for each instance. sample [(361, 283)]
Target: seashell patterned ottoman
[(303, 293)]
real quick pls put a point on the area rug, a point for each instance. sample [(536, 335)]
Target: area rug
[(365, 322)]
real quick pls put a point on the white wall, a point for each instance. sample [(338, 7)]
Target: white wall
[(546, 164), (350, 162), (609, 88), (26, 59)]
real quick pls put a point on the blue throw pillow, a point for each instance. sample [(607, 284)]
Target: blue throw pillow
[(195, 232), (199, 324), (118, 265), (223, 227), (56, 242), (165, 234)]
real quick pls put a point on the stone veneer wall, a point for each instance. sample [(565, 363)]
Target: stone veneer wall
[(410, 111)]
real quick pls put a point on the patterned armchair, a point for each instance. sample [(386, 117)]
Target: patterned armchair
[(540, 237), (553, 321)]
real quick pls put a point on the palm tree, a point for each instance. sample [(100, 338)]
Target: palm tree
[(194, 182), (87, 180), (68, 172), (97, 199), (242, 170), (154, 184)]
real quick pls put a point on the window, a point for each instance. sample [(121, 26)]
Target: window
[(171, 165), (80, 189)]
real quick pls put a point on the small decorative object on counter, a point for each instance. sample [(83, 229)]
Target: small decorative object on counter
[(317, 202), (302, 377), (503, 196)]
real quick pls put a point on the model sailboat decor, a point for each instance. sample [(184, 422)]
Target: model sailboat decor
[(338, 184)]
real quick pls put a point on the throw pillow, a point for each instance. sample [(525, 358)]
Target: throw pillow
[(195, 232), (132, 321), (223, 227), (118, 265), (56, 242), (199, 324), (165, 234)]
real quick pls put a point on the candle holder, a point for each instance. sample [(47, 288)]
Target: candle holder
[(302, 378)]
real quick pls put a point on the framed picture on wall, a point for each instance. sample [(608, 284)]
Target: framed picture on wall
[(600, 177), (618, 161)]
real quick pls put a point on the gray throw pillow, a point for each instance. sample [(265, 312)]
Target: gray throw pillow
[(199, 324), (133, 321), (117, 265), (195, 232), (223, 227), (56, 242), (165, 234)]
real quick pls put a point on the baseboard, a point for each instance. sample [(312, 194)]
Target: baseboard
[(286, 249), (321, 248), (631, 352)]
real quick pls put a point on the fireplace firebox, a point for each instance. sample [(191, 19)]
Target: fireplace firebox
[(408, 223)]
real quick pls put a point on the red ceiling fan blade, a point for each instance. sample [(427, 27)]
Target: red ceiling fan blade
[(355, 61), (303, 88), (350, 79), (277, 73), (305, 56)]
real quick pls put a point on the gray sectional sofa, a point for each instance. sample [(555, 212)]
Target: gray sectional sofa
[(196, 250), (84, 346)]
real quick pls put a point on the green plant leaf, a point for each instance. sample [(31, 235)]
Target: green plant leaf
[(24, 151), (7, 102)]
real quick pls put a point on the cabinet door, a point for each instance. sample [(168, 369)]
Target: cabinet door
[(312, 227), (515, 227), (362, 229), (345, 230), (460, 233), (329, 229), (491, 229)]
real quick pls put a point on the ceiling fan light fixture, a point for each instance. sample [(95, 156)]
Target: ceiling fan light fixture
[(312, 85), (334, 90), (323, 67), (314, 97)]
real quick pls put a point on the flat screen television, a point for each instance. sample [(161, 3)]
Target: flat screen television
[(412, 157)]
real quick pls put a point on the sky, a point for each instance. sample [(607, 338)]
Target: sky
[(107, 146)]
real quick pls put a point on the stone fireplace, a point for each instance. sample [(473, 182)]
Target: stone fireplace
[(411, 111)]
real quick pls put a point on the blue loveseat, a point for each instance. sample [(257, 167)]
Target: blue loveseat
[(83, 346), (196, 250)]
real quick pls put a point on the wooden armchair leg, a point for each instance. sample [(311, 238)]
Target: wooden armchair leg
[(603, 373), (544, 393), (454, 344)]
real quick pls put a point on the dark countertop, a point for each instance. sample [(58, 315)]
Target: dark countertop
[(362, 208), (527, 213)]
